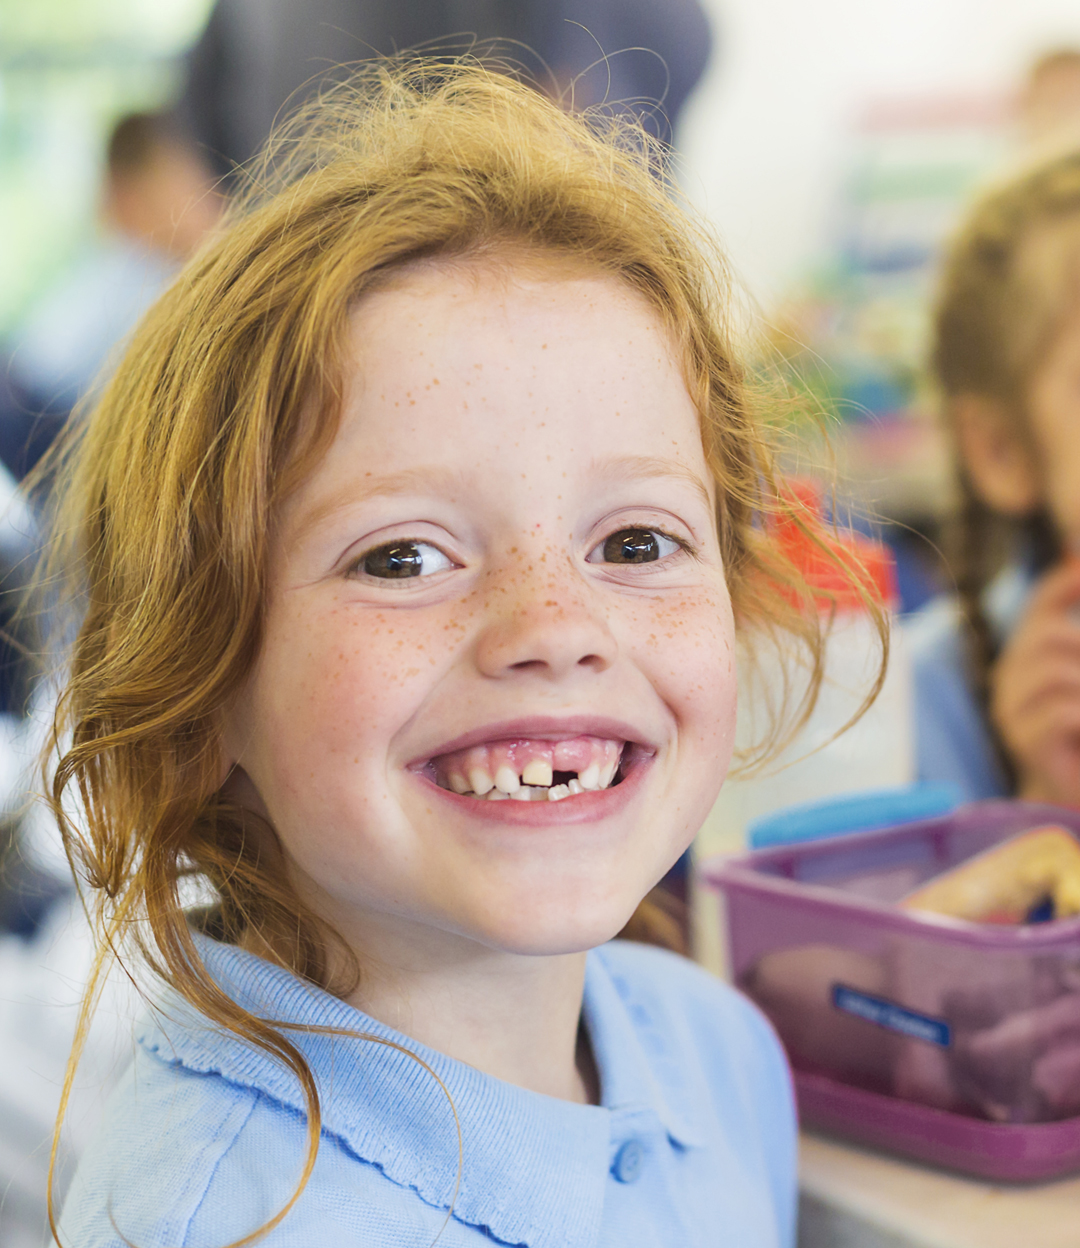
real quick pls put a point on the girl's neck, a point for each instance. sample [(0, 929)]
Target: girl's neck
[(512, 1016)]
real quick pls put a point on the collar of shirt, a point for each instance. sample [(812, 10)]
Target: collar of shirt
[(533, 1169)]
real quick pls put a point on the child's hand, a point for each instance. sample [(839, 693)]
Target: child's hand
[(1035, 691)]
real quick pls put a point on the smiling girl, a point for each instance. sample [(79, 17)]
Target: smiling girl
[(408, 538)]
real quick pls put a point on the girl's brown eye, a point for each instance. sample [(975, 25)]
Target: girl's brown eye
[(400, 560), (635, 546)]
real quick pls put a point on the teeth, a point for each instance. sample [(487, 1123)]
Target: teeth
[(589, 778), (480, 781), (506, 780), (536, 772), (526, 770), (592, 778)]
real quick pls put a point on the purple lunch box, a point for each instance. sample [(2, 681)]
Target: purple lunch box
[(952, 1042)]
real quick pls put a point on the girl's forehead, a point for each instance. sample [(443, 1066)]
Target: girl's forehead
[(509, 379), (528, 340)]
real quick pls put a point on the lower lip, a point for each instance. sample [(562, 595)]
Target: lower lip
[(581, 808)]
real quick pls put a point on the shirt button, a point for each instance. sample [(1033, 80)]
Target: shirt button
[(627, 1167)]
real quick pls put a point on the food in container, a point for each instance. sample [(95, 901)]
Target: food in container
[(1035, 874)]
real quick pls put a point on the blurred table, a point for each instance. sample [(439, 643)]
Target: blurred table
[(855, 1198)]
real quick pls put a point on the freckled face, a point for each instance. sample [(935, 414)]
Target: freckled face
[(507, 559)]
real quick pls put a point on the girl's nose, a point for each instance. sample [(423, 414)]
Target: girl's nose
[(549, 637)]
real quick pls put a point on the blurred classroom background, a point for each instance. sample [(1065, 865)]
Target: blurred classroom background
[(832, 144)]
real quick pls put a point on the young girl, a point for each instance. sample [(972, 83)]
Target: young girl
[(410, 531), (997, 670)]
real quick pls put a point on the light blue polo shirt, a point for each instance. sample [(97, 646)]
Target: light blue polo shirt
[(693, 1144)]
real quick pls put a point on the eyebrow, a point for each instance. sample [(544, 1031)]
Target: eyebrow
[(412, 480), (649, 467), (407, 481)]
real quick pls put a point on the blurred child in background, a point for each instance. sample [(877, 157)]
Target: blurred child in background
[(157, 204), (997, 667)]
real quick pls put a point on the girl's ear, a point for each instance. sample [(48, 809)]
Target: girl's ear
[(996, 456)]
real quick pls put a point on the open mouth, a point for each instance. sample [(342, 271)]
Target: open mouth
[(525, 770)]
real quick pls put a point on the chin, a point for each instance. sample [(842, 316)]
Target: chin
[(554, 930)]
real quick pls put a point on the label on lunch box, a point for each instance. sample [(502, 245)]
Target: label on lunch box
[(892, 1016)]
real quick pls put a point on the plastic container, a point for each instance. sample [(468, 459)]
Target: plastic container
[(955, 1042)]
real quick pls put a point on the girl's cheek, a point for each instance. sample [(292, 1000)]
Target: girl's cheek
[(687, 645), (350, 661)]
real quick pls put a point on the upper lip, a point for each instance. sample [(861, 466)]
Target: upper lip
[(538, 728)]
